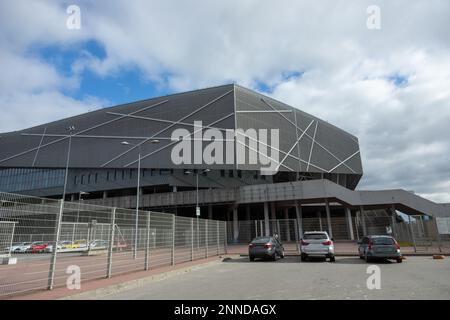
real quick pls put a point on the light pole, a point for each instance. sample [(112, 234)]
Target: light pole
[(197, 208), (70, 129), (51, 272), (78, 212), (126, 143)]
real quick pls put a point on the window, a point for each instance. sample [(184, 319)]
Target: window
[(239, 173), (164, 172), (96, 177), (82, 179), (222, 173), (75, 181), (231, 173), (107, 176), (89, 178)]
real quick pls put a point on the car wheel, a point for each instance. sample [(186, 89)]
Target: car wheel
[(399, 260), (332, 259), (252, 258)]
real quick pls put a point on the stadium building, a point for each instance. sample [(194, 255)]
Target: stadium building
[(237, 154)]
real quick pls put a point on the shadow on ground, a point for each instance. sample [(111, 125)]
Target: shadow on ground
[(296, 259)]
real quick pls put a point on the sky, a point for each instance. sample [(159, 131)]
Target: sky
[(384, 78)]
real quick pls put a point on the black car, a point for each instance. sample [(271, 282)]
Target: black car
[(265, 247)]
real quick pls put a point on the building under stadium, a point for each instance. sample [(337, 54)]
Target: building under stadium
[(319, 165)]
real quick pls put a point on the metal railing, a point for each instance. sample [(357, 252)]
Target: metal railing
[(418, 232), (43, 240)]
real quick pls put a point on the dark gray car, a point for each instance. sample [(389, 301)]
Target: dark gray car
[(265, 247), (379, 247)]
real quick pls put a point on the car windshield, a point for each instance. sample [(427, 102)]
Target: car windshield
[(261, 240), (383, 241), (315, 236)]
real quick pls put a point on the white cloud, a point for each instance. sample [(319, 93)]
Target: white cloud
[(349, 71)]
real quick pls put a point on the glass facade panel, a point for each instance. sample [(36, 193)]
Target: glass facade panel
[(22, 179)]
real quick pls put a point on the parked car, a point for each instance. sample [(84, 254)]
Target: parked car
[(61, 245), (316, 244), (379, 247), (19, 247), (120, 245), (76, 244), (37, 247), (265, 247), (98, 244)]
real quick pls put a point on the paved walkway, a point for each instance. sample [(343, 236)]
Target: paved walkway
[(347, 278)]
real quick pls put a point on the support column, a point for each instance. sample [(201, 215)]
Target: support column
[(299, 216), (330, 229), (266, 219), (393, 221), (105, 194), (363, 220), (273, 211), (319, 215), (348, 215), (235, 224), (273, 217), (210, 212), (287, 230)]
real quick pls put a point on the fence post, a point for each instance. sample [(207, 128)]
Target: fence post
[(112, 229), (206, 237), (192, 239), (225, 237), (413, 238), (51, 272), (217, 227), (147, 243), (173, 240)]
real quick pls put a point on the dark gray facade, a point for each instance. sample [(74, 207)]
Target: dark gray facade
[(99, 162), (318, 163)]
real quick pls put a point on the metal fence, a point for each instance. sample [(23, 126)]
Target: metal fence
[(418, 232), (48, 239)]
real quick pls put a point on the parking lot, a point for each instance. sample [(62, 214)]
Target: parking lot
[(237, 278)]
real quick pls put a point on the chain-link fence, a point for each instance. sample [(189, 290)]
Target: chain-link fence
[(43, 242)]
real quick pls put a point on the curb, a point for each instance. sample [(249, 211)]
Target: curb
[(117, 288)]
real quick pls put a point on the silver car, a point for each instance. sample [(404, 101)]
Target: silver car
[(316, 244), (19, 247), (379, 247)]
